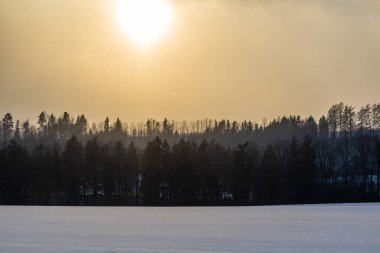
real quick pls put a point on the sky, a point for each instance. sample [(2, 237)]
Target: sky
[(218, 59)]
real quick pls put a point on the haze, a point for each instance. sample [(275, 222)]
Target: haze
[(218, 59)]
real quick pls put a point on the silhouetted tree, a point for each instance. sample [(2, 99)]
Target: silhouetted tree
[(323, 128), (202, 162), (7, 128), (134, 172), (65, 124), (152, 172), (81, 125), (42, 119), (17, 134), (270, 177), (241, 181), (293, 176), (307, 171), (73, 162), (91, 175)]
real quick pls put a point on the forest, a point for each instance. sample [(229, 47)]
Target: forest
[(65, 160)]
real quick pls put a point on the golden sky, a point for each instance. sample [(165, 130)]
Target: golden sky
[(235, 59)]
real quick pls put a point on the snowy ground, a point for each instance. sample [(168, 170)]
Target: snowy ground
[(303, 228)]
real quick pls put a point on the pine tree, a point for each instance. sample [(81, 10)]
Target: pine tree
[(307, 174), (7, 128), (270, 177), (42, 123), (152, 172), (118, 126), (134, 170), (182, 177), (121, 174), (293, 176), (106, 127), (17, 135), (323, 128), (90, 177), (241, 183), (73, 162)]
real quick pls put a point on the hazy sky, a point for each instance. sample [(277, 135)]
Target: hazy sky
[(219, 59)]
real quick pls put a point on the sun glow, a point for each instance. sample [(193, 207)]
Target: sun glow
[(145, 21)]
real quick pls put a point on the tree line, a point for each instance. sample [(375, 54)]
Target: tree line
[(62, 161)]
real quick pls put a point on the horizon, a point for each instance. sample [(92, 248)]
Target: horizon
[(34, 121)]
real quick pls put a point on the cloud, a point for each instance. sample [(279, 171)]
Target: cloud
[(237, 59)]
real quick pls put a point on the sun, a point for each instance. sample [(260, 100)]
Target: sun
[(144, 21)]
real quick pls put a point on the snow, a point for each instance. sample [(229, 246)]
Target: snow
[(299, 228)]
